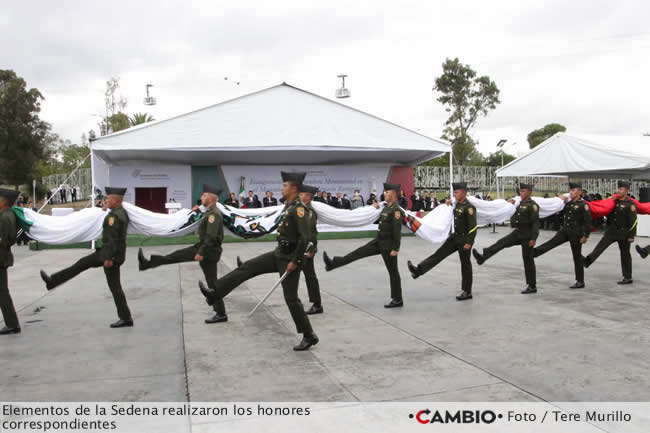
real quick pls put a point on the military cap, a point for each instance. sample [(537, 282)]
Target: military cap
[(459, 185), (211, 189), (527, 186), (115, 191), (297, 177), (623, 184), (10, 194), (307, 188), (575, 185), (392, 187)]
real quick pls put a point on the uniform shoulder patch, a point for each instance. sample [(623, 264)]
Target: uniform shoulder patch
[(535, 207), (586, 207), (470, 211), (398, 214), (111, 220), (633, 207), (211, 219), (300, 211)]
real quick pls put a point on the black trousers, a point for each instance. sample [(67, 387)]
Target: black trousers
[(267, 263), (514, 238), (209, 268), (576, 250), (313, 286), (449, 247), (6, 304), (624, 248), (95, 260), (372, 249)]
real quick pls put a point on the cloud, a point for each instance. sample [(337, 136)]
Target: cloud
[(580, 63)]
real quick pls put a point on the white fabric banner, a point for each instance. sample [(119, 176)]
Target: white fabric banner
[(86, 225)]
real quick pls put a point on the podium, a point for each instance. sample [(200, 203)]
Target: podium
[(172, 207)]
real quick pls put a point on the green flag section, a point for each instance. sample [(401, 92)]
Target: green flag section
[(20, 219)]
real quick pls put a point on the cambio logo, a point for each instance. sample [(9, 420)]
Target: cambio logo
[(459, 417)]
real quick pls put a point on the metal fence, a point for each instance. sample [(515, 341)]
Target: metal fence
[(81, 179), (483, 179)]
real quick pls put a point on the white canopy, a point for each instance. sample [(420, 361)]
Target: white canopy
[(278, 125), (566, 155)]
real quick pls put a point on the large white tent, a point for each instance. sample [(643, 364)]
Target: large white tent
[(244, 143), (567, 155), (278, 125)]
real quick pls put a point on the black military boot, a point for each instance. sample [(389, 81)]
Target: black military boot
[(480, 258), (7, 331), (308, 340), (217, 318), (239, 262), (329, 264), (315, 309), (394, 303), (143, 264), (577, 285), (626, 281), (463, 296), (586, 261), (529, 289), (207, 292), (47, 279), (122, 323), (642, 251), (415, 270)]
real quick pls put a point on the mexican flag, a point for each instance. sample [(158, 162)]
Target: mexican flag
[(21, 221), (242, 186)]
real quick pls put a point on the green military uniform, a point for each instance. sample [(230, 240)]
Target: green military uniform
[(621, 226), (525, 223), (113, 248), (7, 239), (293, 236), (577, 225), (313, 287), (389, 236), (464, 233), (209, 247)]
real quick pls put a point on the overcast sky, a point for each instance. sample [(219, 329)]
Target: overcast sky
[(582, 63)]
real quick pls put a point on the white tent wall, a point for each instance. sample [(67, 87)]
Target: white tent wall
[(331, 178)]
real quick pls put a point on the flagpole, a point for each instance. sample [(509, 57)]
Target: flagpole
[(451, 179)]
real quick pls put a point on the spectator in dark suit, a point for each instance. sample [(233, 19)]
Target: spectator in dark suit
[(256, 201), (417, 202), (346, 202), (431, 201), (337, 201), (402, 200), (269, 200), (371, 200), (319, 197), (232, 200), (250, 200)]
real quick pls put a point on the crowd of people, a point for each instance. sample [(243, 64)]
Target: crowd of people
[(64, 194)]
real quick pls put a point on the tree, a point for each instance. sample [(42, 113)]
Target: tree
[(140, 118), (22, 132), (466, 97), (542, 134), (115, 119), (494, 159)]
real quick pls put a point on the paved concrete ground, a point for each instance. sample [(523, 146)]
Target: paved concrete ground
[(557, 345)]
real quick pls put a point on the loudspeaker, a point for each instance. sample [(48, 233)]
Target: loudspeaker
[(644, 195)]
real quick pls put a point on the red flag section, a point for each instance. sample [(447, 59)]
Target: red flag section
[(602, 208)]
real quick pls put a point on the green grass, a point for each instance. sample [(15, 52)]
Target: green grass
[(150, 241)]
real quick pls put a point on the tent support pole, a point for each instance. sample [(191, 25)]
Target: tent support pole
[(92, 185)]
